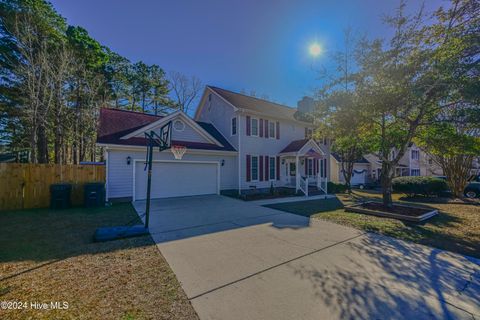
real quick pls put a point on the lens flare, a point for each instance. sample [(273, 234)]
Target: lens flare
[(315, 49)]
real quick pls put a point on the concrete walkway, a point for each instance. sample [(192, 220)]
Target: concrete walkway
[(238, 260), (291, 199)]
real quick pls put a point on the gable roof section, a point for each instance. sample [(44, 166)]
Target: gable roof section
[(119, 122), (115, 124), (337, 157), (298, 145), (256, 105), (171, 117), (294, 146)]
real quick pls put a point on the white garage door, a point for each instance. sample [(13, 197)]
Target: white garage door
[(177, 179), (358, 178)]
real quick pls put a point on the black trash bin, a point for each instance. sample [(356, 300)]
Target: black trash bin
[(60, 195), (94, 194)]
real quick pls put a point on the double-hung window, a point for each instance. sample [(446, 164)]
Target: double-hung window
[(272, 168), (254, 126), (234, 126), (271, 129), (415, 172), (415, 155), (254, 168)]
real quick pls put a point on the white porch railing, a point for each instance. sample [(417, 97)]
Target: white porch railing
[(322, 183), (303, 185)]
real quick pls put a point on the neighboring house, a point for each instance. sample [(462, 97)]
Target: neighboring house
[(409, 165), (431, 168), (235, 142), (360, 174)]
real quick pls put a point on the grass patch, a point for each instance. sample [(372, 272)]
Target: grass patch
[(50, 255), (308, 208), (456, 228)]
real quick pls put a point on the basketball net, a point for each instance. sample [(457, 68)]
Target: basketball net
[(178, 151)]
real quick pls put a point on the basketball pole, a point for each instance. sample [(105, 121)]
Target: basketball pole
[(149, 179), (163, 144)]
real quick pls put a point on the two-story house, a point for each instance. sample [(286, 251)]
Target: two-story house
[(368, 168), (234, 142)]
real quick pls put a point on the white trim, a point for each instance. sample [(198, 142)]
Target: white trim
[(239, 156), (170, 117), (192, 151), (251, 168), (270, 165), (310, 143), (231, 126), (258, 127), (106, 173), (176, 161)]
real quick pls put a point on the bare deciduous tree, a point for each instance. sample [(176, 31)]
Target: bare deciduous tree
[(185, 89)]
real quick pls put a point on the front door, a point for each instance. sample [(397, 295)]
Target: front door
[(290, 172), (292, 169)]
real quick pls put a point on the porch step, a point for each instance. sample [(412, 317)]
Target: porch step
[(313, 191)]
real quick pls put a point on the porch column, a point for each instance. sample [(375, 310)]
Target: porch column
[(297, 174)]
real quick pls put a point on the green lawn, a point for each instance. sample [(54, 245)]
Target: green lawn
[(456, 228), (49, 255)]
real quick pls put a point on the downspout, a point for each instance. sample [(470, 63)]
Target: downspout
[(106, 173), (239, 132)]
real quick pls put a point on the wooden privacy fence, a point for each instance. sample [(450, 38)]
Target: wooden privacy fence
[(24, 185)]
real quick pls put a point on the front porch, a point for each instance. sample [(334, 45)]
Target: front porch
[(303, 166)]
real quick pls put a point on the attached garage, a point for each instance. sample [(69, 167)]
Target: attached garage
[(177, 179)]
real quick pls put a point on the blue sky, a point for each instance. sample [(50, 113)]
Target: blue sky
[(246, 45)]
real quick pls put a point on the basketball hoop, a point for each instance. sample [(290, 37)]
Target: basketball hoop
[(178, 151)]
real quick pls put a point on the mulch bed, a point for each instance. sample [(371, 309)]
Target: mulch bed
[(396, 211), (403, 210)]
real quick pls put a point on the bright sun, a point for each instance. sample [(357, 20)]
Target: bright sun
[(315, 49)]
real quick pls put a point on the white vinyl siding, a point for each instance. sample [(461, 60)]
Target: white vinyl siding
[(187, 133)]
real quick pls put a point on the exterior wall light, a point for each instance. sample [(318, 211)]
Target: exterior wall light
[(129, 160), (223, 162)]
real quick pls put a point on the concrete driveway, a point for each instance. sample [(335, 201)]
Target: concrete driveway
[(238, 260)]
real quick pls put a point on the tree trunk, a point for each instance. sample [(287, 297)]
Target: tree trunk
[(42, 145), (386, 182), (33, 143), (133, 103)]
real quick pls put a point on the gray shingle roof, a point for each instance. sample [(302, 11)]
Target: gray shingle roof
[(267, 108)]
